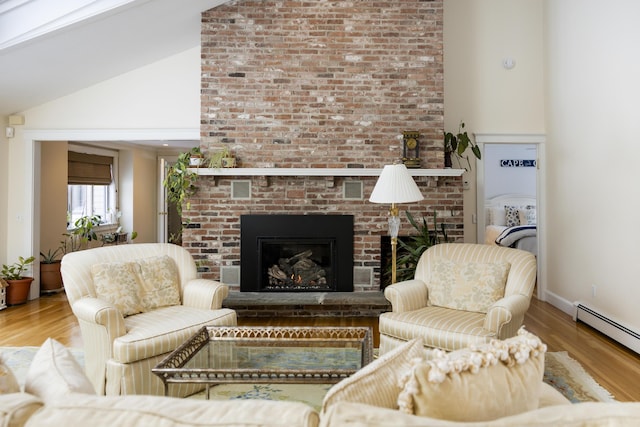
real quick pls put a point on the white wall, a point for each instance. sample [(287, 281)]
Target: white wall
[(4, 190), (592, 113), (478, 35), (500, 180), (159, 101)]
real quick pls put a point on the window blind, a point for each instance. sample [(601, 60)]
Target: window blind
[(89, 169)]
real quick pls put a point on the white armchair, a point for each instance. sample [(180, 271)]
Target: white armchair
[(415, 315), (121, 350)]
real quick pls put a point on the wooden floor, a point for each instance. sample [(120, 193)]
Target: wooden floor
[(613, 366)]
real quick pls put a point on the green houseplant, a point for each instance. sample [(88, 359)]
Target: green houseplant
[(411, 248), (222, 158), (455, 145), (19, 285), (180, 181)]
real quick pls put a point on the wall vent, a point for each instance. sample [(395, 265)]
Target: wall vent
[(608, 326)]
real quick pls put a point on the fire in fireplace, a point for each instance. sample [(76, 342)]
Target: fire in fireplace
[(296, 253)]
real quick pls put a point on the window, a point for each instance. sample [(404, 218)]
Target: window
[(92, 187), (89, 200)]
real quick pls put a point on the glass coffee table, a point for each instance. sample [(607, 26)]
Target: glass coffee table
[(259, 354)]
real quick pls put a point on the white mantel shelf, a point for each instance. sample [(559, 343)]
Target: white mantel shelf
[(318, 172)]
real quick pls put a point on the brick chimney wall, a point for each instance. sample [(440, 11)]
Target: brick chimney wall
[(319, 84)]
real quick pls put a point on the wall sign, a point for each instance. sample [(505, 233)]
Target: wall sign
[(515, 163)]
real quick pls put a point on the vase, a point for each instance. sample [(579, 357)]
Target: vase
[(18, 290), (50, 277)]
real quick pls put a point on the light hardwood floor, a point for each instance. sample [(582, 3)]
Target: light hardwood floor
[(612, 365)]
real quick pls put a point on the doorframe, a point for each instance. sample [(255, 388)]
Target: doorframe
[(539, 141)]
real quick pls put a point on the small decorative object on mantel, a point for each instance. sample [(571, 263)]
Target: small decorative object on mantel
[(411, 149), (222, 158), (196, 158), (456, 145)]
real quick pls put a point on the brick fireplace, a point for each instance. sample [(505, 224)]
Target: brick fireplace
[(290, 84)]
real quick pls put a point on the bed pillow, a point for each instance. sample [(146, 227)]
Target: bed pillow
[(512, 216), (497, 216), (527, 216), (469, 286), (492, 381)]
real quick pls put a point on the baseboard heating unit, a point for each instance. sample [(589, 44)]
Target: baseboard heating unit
[(608, 326)]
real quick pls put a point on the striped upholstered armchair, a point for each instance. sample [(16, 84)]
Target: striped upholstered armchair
[(136, 303), (462, 294)]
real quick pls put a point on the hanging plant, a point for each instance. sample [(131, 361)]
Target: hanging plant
[(180, 181)]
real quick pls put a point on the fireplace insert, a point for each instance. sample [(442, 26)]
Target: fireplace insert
[(296, 253)]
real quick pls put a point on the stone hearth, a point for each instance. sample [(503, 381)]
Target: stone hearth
[(307, 304)]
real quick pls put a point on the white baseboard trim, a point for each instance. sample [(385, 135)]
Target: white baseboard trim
[(560, 303)]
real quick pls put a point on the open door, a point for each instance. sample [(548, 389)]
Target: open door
[(169, 221)]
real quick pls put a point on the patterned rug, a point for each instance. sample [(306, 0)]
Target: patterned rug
[(561, 371)]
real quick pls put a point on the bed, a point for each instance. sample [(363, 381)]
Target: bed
[(511, 221)]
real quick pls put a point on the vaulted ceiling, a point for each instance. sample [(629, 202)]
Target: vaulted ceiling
[(51, 48)]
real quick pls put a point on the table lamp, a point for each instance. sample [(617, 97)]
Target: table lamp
[(395, 185)]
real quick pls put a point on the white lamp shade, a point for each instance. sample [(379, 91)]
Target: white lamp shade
[(395, 185)]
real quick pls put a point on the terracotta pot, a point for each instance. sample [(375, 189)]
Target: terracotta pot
[(18, 290), (50, 277)]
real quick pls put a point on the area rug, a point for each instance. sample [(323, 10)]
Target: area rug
[(561, 372)]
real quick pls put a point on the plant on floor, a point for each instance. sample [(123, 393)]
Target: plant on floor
[(52, 255), (411, 248), (456, 144), (14, 271)]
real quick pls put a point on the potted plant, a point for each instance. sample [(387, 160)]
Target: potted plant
[(456, 145), (50, 276), (19, 285), (196, 158), (180, 181), (410, 249), (222, 158), (117, 237)]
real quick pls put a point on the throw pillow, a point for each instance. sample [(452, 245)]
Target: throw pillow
[(119, 284), (527, 216), (491, 381), (497, 216), (512, 218), (160, 282), (377, 383), (8, 381), (54, 372), (468, 286)]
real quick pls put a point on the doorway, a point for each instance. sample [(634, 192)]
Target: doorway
[(512, 165)]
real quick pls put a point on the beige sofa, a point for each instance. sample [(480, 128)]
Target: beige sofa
[(20, 409), (57, 393)]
